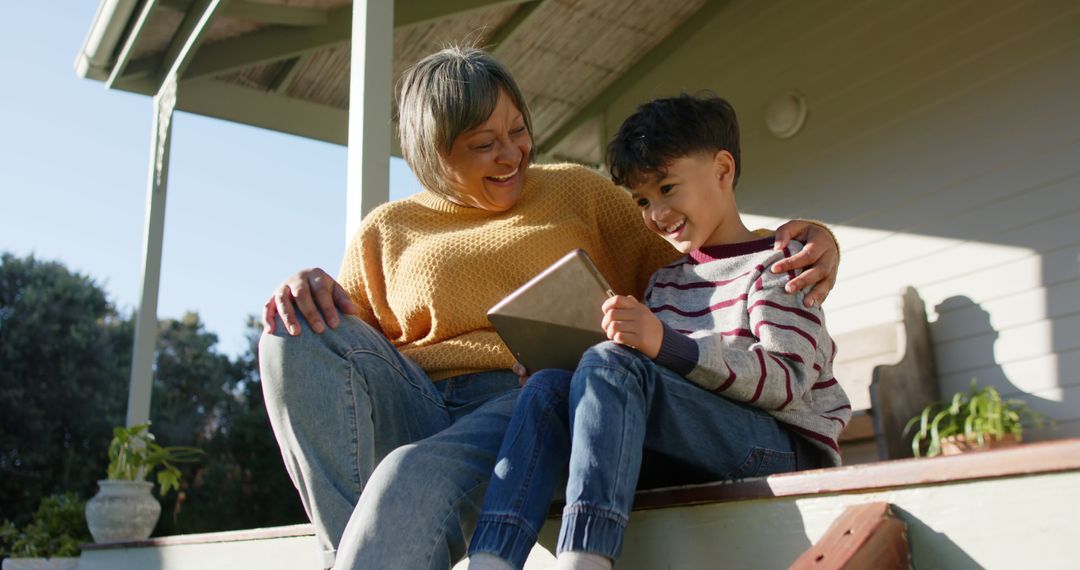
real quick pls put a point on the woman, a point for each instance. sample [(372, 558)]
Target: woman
[(389, 419)]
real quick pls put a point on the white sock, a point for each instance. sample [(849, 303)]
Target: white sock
[(582, 561), (488, 561)]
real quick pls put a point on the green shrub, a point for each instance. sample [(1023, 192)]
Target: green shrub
[(58, 528)]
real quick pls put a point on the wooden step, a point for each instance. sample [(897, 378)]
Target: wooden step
[(990, 509), (865, 536)]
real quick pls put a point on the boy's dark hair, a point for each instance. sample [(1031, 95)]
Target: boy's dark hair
[(663, 130)]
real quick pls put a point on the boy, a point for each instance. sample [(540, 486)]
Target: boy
[(719, 369)]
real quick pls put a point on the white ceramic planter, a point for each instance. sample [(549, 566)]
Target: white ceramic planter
[(122, 510), (55, 563)]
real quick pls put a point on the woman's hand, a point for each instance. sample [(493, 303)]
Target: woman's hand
[(315, 294), (628, 322), (819, 259)]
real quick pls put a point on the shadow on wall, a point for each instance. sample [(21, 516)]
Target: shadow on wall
[(960, 311), (933, 549)]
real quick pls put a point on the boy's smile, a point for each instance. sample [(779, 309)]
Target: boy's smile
[(674, 230), (691, 203)]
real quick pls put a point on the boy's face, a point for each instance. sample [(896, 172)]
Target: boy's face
[(691, 204)]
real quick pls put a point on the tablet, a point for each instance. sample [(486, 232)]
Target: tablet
[(550, 321)]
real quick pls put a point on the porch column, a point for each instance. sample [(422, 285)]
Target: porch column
[(368, 181), (142, 357)]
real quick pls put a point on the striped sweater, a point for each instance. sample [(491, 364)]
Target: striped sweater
[(730, 327)]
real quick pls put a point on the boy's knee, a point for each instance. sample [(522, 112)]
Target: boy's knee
[(615, 365), (610, 353), (553, 382)]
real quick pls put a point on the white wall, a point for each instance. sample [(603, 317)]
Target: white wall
[(943, 145)]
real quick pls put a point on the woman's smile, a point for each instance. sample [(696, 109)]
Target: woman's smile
[(506, 180)]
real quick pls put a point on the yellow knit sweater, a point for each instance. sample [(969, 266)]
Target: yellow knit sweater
[(424, 271)]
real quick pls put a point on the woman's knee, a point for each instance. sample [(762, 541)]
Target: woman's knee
[(411, 493), (352, 332), (413, 483), (294, 364)]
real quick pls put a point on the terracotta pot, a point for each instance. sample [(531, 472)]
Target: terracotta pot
[(957, 444), (122, 510)]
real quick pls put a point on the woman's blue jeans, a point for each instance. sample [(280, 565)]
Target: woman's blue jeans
[(391, 467), (597, 422)]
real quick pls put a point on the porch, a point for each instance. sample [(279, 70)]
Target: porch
[(994, 509), (940, 143)]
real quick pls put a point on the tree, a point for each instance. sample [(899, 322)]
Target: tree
[(263, 493), (65, 356), (204, 399), (64, 361), (192, 382)]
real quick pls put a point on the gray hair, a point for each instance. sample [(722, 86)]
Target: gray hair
[(444, 95)]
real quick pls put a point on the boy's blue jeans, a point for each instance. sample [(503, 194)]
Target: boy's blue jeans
[(599, 420)]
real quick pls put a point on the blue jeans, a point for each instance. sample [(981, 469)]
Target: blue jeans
[(391, 467), (597, 422)]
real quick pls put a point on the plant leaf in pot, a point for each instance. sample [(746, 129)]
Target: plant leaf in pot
[(971, 421), (124, 508)]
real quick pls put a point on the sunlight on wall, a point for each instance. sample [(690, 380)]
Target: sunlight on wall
[(1007, 316)]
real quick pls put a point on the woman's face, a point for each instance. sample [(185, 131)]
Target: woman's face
[(486, 165)]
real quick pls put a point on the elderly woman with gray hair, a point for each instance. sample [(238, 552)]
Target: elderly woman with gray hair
[(387, 389)]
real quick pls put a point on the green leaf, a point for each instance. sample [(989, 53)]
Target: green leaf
[(977, 414), (134, 455)]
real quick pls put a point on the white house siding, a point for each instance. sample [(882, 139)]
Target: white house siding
[(943, 145)]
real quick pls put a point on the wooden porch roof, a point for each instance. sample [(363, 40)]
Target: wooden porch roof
[(284, 64)]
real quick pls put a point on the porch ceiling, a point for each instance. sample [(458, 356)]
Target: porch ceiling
[(284, 64)]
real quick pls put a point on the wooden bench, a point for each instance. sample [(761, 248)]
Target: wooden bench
[(889, 374)]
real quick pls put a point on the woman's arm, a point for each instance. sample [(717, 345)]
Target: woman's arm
[(819, 259)]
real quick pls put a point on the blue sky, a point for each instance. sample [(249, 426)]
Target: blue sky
[(246, 207)]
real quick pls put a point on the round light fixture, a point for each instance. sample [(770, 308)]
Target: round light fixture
[(786, 114)]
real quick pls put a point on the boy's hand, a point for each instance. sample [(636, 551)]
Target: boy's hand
[(628, 322)]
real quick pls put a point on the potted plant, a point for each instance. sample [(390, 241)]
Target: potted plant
[(971, 421), (124, 508), (51, 540)]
